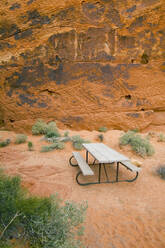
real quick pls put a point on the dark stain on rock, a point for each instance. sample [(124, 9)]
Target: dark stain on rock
[(142, 102), (129, 86), (132, 9), (148, 113), (138, 22), (134, 115), (15, 6), (42, 105), (23, 34), (114, 16), (162, 67), (63, 44), (4, 45), (7, 29), (94, 11), (28, 76), (95, 72), (14, 65), (126, 42), (111, 39), (57, 75), (54, 60), (36, 19), (30, 1), (67, 14), (91, 45), (25, 98)]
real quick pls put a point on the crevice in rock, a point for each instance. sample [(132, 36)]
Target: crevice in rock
[(144, 58), (128, 97), (11, 120), (50, 92)]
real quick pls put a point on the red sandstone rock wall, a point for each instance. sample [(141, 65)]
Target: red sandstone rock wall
[(85, 63)]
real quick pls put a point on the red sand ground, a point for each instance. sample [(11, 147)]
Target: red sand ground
[(120, 215)]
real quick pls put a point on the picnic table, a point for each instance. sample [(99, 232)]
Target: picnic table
[(102, 156)]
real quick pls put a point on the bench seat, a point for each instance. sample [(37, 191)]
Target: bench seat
[(84, 167), (131, 166)]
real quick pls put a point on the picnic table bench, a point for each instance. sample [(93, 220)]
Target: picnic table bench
[(103, 155)]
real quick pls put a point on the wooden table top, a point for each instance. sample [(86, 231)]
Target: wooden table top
[(104, 154)]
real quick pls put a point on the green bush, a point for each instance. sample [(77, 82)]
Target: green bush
[(66, 134), (5, 143), (77, 142), (41, 222), (161, 137), (20, 138), (139, 145), (53, 133), (103, 129), (39, 127), (30, 146), (50, 130), (161, 172), (51, 127), (6, 244), (56, 145)]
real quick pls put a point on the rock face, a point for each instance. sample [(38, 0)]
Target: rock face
[(85, 64)]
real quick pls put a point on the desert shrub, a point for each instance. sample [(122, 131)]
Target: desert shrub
[(101, 137), (135, 130), (41, 222), (5, 143), (138, 144), (66, 134), (103, 129), (58, 139), (53, 133), (20, 138), (30, 146), (55, 145), (39, 127), (161, 172), (161, 137), (66, 139), (6, 244), (77, 142), (50, 129)]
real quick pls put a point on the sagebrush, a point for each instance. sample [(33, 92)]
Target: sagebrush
[(39, 222), (55, 145), (161, 137), (40, 127), (103, 129), (5, 142), (77, 142), (140, 145), (30, 146), (20, 138)]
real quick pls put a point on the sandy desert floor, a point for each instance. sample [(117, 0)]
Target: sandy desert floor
[(119, 215)]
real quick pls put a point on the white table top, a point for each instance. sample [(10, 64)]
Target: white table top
[(104, 154)]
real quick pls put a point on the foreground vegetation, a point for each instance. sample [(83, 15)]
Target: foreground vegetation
[(38, 222), (53, 135), (141, 146)]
